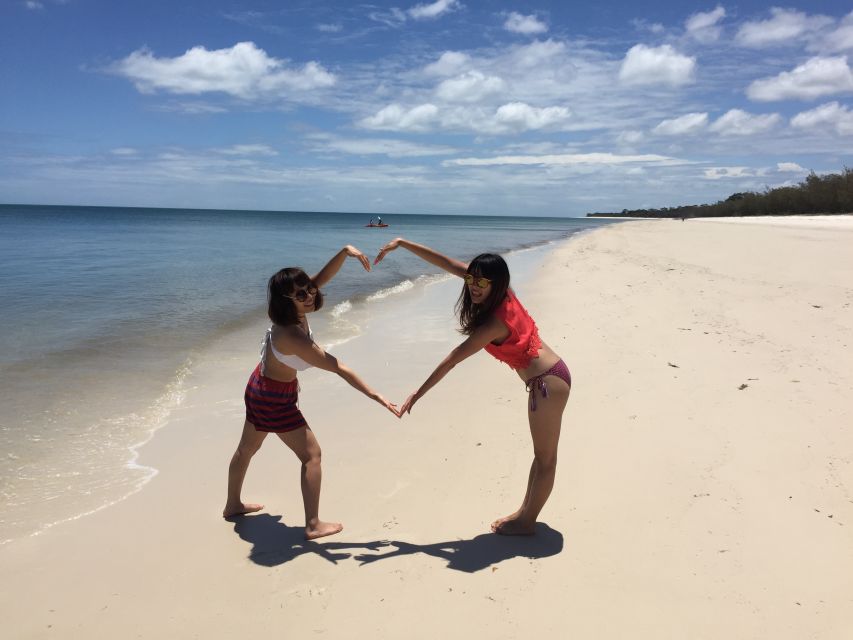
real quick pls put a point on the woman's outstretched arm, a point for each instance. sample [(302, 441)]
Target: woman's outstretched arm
[(451, 265), (334, 265), (314, 355), (492, 330)]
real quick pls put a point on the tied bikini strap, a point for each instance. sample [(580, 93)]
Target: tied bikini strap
[(264, 344), (531, 386)]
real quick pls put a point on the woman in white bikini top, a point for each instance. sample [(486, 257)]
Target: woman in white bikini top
[(271, 395), (292, 361)]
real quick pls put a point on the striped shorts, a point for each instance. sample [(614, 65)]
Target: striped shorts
[(271, 405)]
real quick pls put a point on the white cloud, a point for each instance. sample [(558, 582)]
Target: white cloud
[(656, 65), (381, 146), (527, 25), (434, 10), (789, 167), (630, 137), (814, 78), (716, 173), (33, 5), (827, 116), (689, 123), (330, 28), (124, 151), (536, 55), (472, 86), (736, 122), (567, 159), (396, 118), (511, 118), (248, 150), (519, 116), (449, 63), (393, 18), (841, 38), (539, 73), (704, 26), (191, 108), (244, 71), (784, 26), (643, 25), (514, 117), (508, 119)]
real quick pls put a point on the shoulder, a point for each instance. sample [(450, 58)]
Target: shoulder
[(495, 327), (514, 303), (504, 306), (288, 333)]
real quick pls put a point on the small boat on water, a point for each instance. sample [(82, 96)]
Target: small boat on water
[(373, 224)]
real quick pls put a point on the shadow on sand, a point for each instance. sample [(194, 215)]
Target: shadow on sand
[(482, 551), (274, 543)]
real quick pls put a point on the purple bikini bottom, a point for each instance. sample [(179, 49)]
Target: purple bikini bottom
[(538, 382)]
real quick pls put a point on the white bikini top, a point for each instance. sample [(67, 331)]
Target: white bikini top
[(293, 361)]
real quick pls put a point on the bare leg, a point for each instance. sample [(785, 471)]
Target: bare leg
[(303, 443), (545, 425), (497, 523), (250, 442)]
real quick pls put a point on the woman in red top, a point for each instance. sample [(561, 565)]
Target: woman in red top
[(493, 319)]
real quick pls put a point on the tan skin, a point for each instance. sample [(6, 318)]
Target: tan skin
[(294, 340), (544, 423)]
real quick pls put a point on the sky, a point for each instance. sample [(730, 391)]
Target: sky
[(446, 107)]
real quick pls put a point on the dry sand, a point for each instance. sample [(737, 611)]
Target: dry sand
[(705, 485)]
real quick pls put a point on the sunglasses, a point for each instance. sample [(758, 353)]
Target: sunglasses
[(301, 295), (480, 283)]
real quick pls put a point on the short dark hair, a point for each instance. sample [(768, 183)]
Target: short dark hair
[(493, 267), (283, 283)]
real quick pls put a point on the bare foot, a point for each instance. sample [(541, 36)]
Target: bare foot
[(240, 509), (497, 523), (322, 529), (515, 527)]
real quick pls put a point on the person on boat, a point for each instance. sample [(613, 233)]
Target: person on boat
[(492, 317), (271, 395), (379, 221)]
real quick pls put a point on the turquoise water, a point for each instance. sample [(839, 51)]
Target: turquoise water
[(101, 310)]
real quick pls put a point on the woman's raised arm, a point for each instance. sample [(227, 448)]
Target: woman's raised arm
[(334, 265), (451, 265)]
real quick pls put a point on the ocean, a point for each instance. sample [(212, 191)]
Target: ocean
[(102, 310)]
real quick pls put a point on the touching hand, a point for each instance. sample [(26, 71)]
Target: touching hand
[(408, 404), (355, 253), (388, 247), (389, 405)]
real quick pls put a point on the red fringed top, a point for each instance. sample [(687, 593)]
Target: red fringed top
[(523, 343)]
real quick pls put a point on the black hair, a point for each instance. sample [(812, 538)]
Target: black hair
[(280, 308), (471, 315)]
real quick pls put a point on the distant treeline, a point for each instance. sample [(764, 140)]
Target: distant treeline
[(831, 193)]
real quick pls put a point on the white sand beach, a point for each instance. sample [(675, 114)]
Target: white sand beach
[(704, 489)]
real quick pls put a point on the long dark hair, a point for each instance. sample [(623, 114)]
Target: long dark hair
[(493, 267), (281, 309)]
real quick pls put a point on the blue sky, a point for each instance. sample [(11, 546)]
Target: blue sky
[(540, 108)]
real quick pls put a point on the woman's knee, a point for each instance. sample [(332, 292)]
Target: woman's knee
[(248, 448), (311, 456), (546, 461)]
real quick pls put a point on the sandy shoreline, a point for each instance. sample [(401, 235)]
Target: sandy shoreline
[(685, 506)]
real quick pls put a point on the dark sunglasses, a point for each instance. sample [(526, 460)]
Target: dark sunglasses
[(301, 295), (480, 283)]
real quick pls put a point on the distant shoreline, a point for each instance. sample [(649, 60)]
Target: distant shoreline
[(606, 216)]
